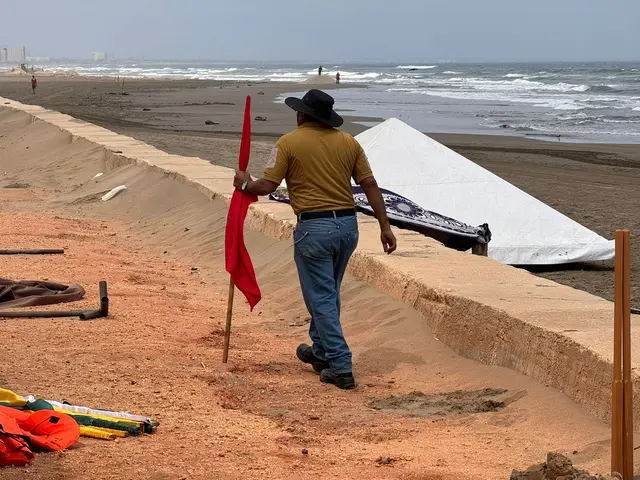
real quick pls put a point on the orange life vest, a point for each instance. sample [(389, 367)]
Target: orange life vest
[(20, 432), (14, 444)]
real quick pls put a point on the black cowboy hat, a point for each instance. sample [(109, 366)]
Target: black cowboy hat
[(318, 105)]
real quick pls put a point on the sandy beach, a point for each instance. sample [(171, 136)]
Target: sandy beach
[(263, 415), (596, 185), (131, 334)]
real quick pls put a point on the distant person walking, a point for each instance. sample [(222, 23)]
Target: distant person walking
[(338, 78), (34, 84), (320, 70), (318, 162)]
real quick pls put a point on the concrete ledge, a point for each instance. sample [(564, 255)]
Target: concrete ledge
[(484, 310)]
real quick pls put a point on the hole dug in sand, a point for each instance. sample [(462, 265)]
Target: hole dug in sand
[(450, 403)]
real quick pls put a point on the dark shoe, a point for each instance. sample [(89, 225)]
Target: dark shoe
[(305, 354), (344, 381)]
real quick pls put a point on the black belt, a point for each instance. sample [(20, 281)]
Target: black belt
[(326, 214)]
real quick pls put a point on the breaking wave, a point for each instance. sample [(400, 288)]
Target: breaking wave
[(602, 88), (416, 67)]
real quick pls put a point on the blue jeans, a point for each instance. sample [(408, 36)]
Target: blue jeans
[(322, 248)]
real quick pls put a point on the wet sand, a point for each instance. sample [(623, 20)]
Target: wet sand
[(596, 185)]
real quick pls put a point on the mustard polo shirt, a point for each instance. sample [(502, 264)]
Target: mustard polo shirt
[(318, 164)]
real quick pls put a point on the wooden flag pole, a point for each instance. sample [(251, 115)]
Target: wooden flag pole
[(617, 389), (227, 331), (236, 255), (627, 447), (622, 389)]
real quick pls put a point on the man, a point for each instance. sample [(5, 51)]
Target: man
[(34, 84), (318, 161), (320, 71)]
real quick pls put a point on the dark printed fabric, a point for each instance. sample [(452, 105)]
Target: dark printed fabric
[(403, 213)]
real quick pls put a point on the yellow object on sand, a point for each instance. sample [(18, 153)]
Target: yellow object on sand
[(13, 399), (100, 433), (117, 433), (116, 423)]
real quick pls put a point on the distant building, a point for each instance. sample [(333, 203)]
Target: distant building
[(99, 56), (13, 55)]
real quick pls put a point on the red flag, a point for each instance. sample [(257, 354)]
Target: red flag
[(238, 261)]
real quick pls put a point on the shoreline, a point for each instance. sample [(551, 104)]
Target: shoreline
[(12, 83), (354, 124), (576, 102)]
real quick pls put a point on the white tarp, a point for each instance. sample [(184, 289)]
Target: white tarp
[(525, 230)]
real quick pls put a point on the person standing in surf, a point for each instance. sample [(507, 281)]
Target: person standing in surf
[(318, 162)]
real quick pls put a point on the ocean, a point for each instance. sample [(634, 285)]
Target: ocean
[(592, 102)]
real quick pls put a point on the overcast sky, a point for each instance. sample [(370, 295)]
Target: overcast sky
[(338, 30)]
